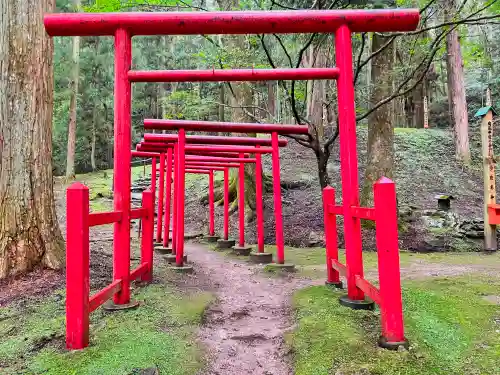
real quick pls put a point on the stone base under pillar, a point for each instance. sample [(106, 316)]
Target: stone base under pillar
[(163, 250), (211, 239), (171, 258), (261, 258), (242, 250), (356, 304), (225, 244), (332, 284), (383, 343), (111, 306), (183, 269)]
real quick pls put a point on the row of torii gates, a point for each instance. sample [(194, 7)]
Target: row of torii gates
[(196, 154)]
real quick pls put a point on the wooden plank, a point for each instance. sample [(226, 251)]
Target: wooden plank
[(102, 218), (102, 296), (369, 289)]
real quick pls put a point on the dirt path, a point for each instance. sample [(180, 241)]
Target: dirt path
[(244, 329)]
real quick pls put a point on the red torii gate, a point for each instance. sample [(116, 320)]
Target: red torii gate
[(125, 25), (259, 256)]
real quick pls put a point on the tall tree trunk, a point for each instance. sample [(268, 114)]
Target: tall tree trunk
[(95, 118), (222, 102), (271, 101), (456, 89), (75, 78), (316, 90), (241, 100), (29, 232), (380, 127)]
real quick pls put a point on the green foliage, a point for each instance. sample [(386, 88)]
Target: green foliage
[(451, 329), (120, 5)]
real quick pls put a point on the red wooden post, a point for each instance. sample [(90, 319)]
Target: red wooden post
[(176, 189), (348, 160), (241, 202), (148, 223), (211, 224), (332, 251), (153, 179), (278, 211), (226, 204), (77, 267), (161, 192), (179, 261), (122, 159), (391, 308), (259, 203), (168, 193)]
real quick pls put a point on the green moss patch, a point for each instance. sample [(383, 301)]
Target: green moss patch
[(452, 329), (160, 333)]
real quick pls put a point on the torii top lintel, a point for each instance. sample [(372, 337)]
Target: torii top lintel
[(236, 22)]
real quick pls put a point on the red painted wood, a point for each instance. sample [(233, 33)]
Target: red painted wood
[(137, 213), (77, 267), (366, 213), (197, 171), (278, 210), (259, 203), (144, 154), (103, 218), (153, 181), (339, 267), (139, 271), (332, 250), (208, 167), (226, 204), (238, 149), (234, 127), (122, 172), (148, 224), (159, 147), (241, 203), (369, 289), (168, 196), (233, 75), (215, 140), (391, 305), (235, 22), (219, 159), (493, 214), (161, 199), (105, 294), (348, 160), (179, 261), (211, 204), (176, 189)]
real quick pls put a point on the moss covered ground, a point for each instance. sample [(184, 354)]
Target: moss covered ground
[(160, 333), (452, 328)]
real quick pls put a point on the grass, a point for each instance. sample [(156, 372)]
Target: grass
[(311, 261), (452, 330), (161, 332)]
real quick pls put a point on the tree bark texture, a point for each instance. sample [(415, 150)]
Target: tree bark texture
[(380, 128), (241, 101), (316, 93), (29, 232), (75, 79), (456, 89)]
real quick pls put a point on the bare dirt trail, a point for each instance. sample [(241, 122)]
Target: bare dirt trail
[(244, 331)]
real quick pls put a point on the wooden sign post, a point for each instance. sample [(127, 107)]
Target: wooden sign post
[(491, 209)]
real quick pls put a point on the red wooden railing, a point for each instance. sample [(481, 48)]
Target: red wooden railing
[(79, 303), (388, 295)]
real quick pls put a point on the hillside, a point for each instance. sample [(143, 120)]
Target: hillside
[(425, 167)]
